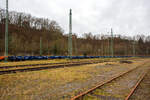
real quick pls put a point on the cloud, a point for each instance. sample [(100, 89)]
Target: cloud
[(127, 17)]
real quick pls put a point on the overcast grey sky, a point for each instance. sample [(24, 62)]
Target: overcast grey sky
[(97, 16)]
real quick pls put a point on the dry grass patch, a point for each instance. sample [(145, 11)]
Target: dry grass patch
[(48, 83), (55, 61), (42, 62), (31, 62), (36, 82)]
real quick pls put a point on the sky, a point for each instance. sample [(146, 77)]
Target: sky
[(126, 17)]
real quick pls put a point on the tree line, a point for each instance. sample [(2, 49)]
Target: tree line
[(25, 32)]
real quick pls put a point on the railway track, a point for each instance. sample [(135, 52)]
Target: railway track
[(134, 88), (6, 67), (141, 91), (90, 94), (36, 67)]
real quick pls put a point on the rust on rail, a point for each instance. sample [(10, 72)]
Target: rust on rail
[(136, 85), (99, 85)]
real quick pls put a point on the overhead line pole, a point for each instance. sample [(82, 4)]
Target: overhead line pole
[(40, 46), (112, 50), (133, 47), (70, 35), (108, 46), (6, 32), (147, 51)]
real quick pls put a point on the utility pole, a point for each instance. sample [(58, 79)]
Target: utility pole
[(70, 35), (147, 51), (126, 50), (40, 46), (112, 50), (75, 45), (47, 47), (6, 32), (133, 47), (102, 49), (108, 51)]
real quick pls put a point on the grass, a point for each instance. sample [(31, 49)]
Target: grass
[(31, 83), (90, 97), (42, 62), (23, 84), (101, 91), (49, 83), (55, 61), (31, 62), (14, 68)]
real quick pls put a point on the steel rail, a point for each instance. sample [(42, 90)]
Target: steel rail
[(81, 95), (136, 85), (45, 67), (4, 67)]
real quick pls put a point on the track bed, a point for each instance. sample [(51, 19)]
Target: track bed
[(142, 92), (117, 88), (60, 83), (15, 69)]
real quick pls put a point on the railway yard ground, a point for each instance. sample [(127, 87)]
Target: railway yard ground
[(65, 83), (142, 92)]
